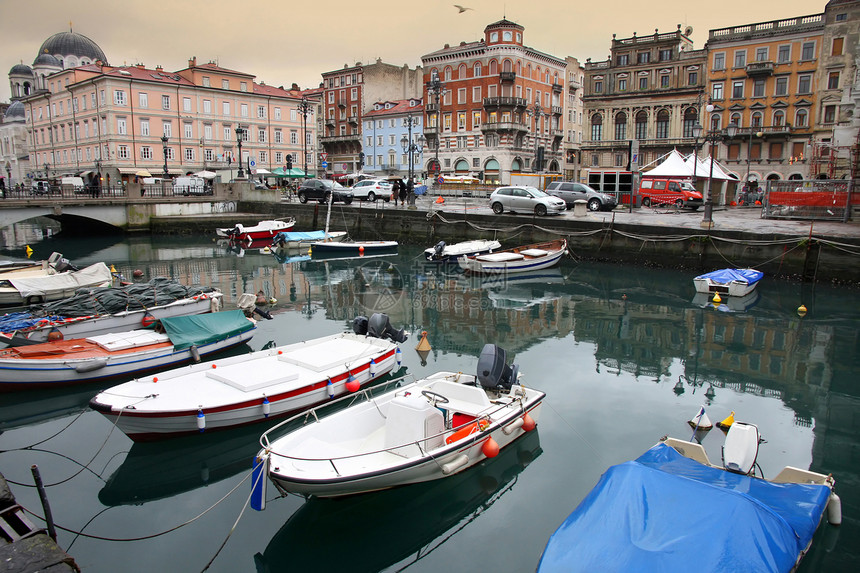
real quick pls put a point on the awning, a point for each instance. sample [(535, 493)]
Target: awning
[(262, 171), (143, 173), (159, 173), (206, 174)]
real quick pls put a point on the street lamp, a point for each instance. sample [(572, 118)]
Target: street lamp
[(437, 89), (164, 140), (304, 109), (239, 133), (536, 165), (98, 177), (713, 137), (47, 176), (749, 156), (697, 133), (409, 147), (8, 176)]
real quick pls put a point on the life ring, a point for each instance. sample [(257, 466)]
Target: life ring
[(473, 428)]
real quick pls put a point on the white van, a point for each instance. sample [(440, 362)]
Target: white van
[(189, 186), (76, 183), (151, 181)]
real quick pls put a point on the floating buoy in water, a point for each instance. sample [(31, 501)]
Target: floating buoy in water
[(372, 368), (137, 273), (701, 421), (423, 344), (201, 420), (266, 406), (834, 509), (54, 335), (727, 422), (490, 448), (717, 299), (528, 423), (352, 385), (440, 200), (801, 310), (29, 251)]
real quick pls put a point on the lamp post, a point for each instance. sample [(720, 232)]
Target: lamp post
[(304, 108), (239, 134), (697, 132), (97, 190), (409, 147), (437, 89), (713, 137), (749, 155), (8, 177), (536, 165), (164, 140)]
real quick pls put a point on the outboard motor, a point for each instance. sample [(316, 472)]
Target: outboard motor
[(493, 370), (438, 249), (359, 325), (380, 327), (64, 265), (741, 448)]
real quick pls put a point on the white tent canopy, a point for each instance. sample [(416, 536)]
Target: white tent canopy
[(206, 174), (672, 166), (703, 169)]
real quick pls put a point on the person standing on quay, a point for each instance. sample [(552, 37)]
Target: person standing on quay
[(402, 186)]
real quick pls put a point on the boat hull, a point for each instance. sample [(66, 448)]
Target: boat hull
[(451, 253), (176, 412), (353, 248), (27, 374), (517, 262), (728, 282), (260, 231), (297, 241)]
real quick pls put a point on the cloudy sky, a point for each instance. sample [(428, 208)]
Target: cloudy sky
[(287, 41)]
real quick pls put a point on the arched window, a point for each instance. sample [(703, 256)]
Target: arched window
[(801, 118), (662, 124), (494, 67), (642, 125), (546, 77), (716, 122), (448, 72), (596, 127), (778, 118), (476, 71), (756, 119), (620, 126), (461, 72), (691, 117), (736, 119), (507, 66)]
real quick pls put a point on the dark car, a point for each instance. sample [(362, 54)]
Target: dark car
[(321, 189), (571, 192)]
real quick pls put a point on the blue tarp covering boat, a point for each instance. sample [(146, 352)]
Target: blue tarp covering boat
[(287, 236), (665, 512), (749, 276)]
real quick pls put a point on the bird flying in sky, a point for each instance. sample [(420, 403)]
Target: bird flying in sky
[(461, 8)]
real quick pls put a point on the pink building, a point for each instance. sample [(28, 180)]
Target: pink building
[(123, 122)]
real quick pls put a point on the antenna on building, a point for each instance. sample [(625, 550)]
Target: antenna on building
[(688, 30)]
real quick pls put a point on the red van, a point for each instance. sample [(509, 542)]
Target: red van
[(676, 192)]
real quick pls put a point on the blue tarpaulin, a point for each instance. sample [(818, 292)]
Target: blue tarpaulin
[(723, 276), (664, 512)]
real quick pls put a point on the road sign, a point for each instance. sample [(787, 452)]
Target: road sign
[(253, 163), (345, 166), (323, 156), (324, 164)]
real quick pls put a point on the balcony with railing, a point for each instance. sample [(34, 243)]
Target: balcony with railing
[(504, 127), (341, 103), (556, 110), (345, 138), (557, 88), (353, 119), (431, 106), (499, 102), (574, 84), (507, 77), (759, 69)]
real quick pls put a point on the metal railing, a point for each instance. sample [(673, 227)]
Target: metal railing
[(818, 199)]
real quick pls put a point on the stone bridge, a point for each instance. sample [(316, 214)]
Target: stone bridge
[(126, 208)]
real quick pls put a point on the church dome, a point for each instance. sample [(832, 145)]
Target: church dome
[(72, 44), (47, 60), (14, 112), (21, 69)]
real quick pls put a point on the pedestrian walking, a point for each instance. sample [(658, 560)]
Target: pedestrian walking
[(410, 191), (395, 190), (402, 192)]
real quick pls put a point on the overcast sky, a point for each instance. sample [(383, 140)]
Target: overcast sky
[(287, 41)]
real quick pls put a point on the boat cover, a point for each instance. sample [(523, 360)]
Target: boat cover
[(723, 276), (288, 236), (665, 512), (93, 275), (200, 329)]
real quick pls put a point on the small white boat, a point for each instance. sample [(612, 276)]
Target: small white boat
[(672, 507), (443, 253), (52, 265), (352, 247), (417, 432), (184, 338), (731, 282), (253, 387), (49, 324), (48, 287), (297, 240), (262, 230), (516, 260)]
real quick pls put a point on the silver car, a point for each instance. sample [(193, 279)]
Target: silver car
[(572, 192), (525, 199)]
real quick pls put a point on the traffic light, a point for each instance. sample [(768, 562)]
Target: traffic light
[(360, 159), (289, 161)]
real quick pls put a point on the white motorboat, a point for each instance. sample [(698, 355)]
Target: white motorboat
[(109, 310), (263, 230), (253, 387), (731, 282), (184, 338), (443, 253), (415, 432), (48, 287), (516, 260)]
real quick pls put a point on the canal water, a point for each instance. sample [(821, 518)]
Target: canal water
[(625, 356)]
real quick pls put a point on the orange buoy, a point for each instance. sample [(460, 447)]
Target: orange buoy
[(147, 320), (155, 379), (213, 366), (490, 448), (361, 249), (353, 385), (55, 335), (467, 431), (528, 423)]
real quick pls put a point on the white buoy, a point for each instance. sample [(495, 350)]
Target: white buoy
[(330, 388), (513, 426), (834, 509), (266, 406), (455, 464), (398, 356), (701, 421), (201, 420), (195, 353), (372, 368)]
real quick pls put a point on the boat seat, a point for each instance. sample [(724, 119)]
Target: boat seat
[(260, 374), (410, 419), (133, 339), (327, 355), (500, 257), (470, 400), (535, 252)]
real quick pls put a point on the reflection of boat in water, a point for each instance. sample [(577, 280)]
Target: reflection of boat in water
[(518, 290), (729, 303), (158, 470), (34, 406), (345, 534)]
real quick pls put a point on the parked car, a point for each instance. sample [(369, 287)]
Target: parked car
[(320, 189), (40, 187), (189, 186), (371, 189), (524, 199), (571, 192), (669, 192)]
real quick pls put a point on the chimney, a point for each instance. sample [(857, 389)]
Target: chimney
[(192, 62), (158, 68)]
